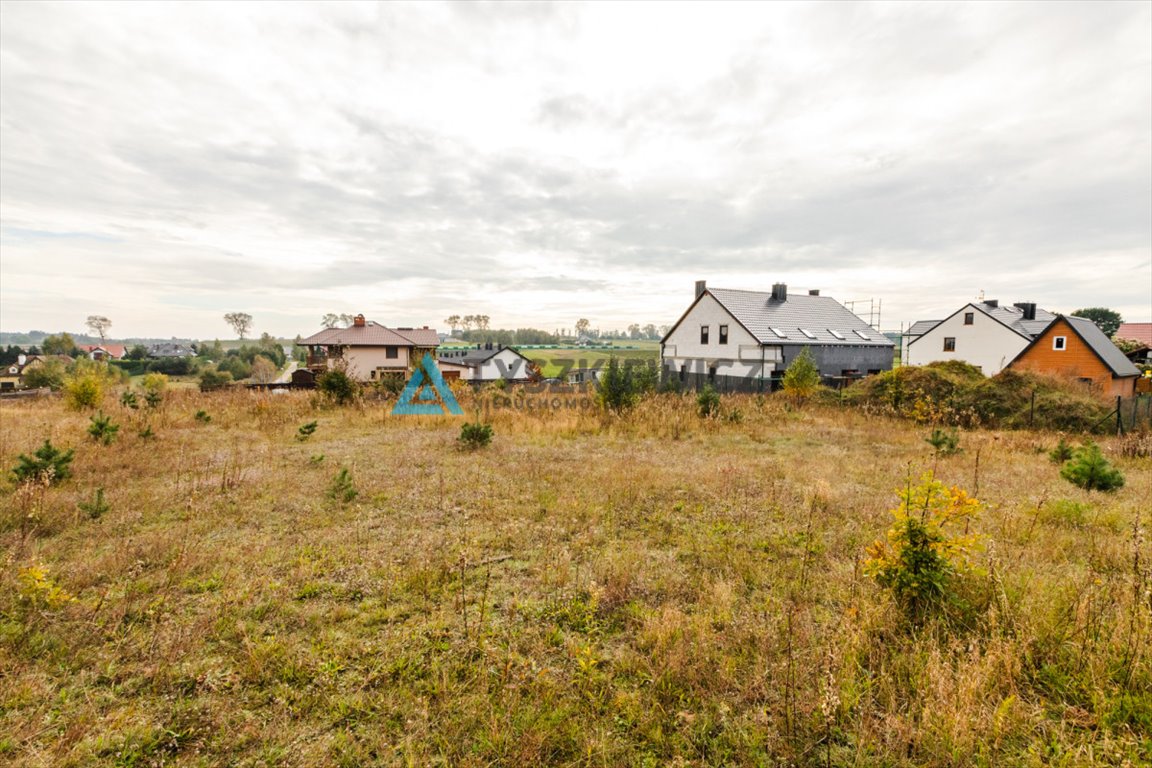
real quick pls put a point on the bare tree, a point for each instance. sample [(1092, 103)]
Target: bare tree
[(650, 331), (634, 331), (330, 320), (453, 322), (582, 326), (468, 321), (241, 322), (482, 322), (99, 325)]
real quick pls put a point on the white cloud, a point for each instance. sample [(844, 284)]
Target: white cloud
[(162, 164)]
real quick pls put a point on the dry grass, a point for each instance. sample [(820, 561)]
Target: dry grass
[(648, 590)]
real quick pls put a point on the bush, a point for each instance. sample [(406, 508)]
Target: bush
[(708, 402), (306, 431), (102, 429), (1088, 469), (48, 374), (1061, 453), (945, 443), (802, 378), (47, 461), (338, 386), (84, 390), (474, 436), (173, 366), (343, 489), (920, 557), (617, 392), (95, 508), (212, 379)]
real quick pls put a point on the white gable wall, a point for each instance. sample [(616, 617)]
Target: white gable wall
[(683, 347), (988, 344)]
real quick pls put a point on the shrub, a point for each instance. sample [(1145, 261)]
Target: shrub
[(154, 382), (212, 379), (39, 591), (95, 508), (708, 402), (129, 400), (616, 387), (173, 366), (47, 461), (1088, 469), (802, 378), (306, 431), (921, 556), (1061, 453), (474, 436), (48, 374), (203, 417), (338, 386), (945, 443), (343, 489), (84, 390), (102, 429)]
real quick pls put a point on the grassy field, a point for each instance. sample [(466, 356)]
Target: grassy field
[(588, 590), (553, 362)]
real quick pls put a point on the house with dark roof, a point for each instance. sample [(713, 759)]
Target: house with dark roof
[(740, 340), (1075, 347), (984, 334), (369, 351), (485, 362)]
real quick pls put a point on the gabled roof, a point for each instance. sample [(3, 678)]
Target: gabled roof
[(372, 334), (474, 357), (921, 327), (1095, 340), (1013, 317), (759, 313), (1141, 332), (116, 350)]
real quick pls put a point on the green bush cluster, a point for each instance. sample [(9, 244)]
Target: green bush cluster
[(474, 436), (958, 394)]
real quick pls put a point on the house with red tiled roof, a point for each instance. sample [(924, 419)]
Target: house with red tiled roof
[(1141, 334), (104, 351), (369, 351)]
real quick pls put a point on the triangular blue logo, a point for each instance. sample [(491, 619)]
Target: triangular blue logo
[(426, 394)]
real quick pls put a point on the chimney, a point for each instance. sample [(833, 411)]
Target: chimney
[(701, 286), (358, 321), (779, 292), (1028, 308), (814, 292), (992, 303)]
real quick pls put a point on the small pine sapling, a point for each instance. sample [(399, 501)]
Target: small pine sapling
[(47, 461), (708, 403), (945, 443), (95, 508), (1088, 469), (343, 489), (306, 431), (102, 430), (475, 436)]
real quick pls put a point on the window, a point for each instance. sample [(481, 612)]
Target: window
[(712, 374), (391, 353), (969, 318), (683, 371), (949, 343), (779, 333), (703, 334), (723, 334), (807, 333), (837, 334), (1059, 343), (863, 335)]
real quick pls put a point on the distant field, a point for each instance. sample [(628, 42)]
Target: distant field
[(589, 590), (553, 361)]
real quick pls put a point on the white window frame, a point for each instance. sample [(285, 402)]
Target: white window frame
[(1059, 343)]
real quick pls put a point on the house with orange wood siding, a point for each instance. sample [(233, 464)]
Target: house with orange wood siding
[(1075, 347)]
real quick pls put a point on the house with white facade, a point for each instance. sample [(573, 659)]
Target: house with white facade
[(740, 340), (984, 334), (369, 351), (485, 362)]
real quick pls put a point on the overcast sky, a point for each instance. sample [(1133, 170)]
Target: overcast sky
[(164, 164)]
